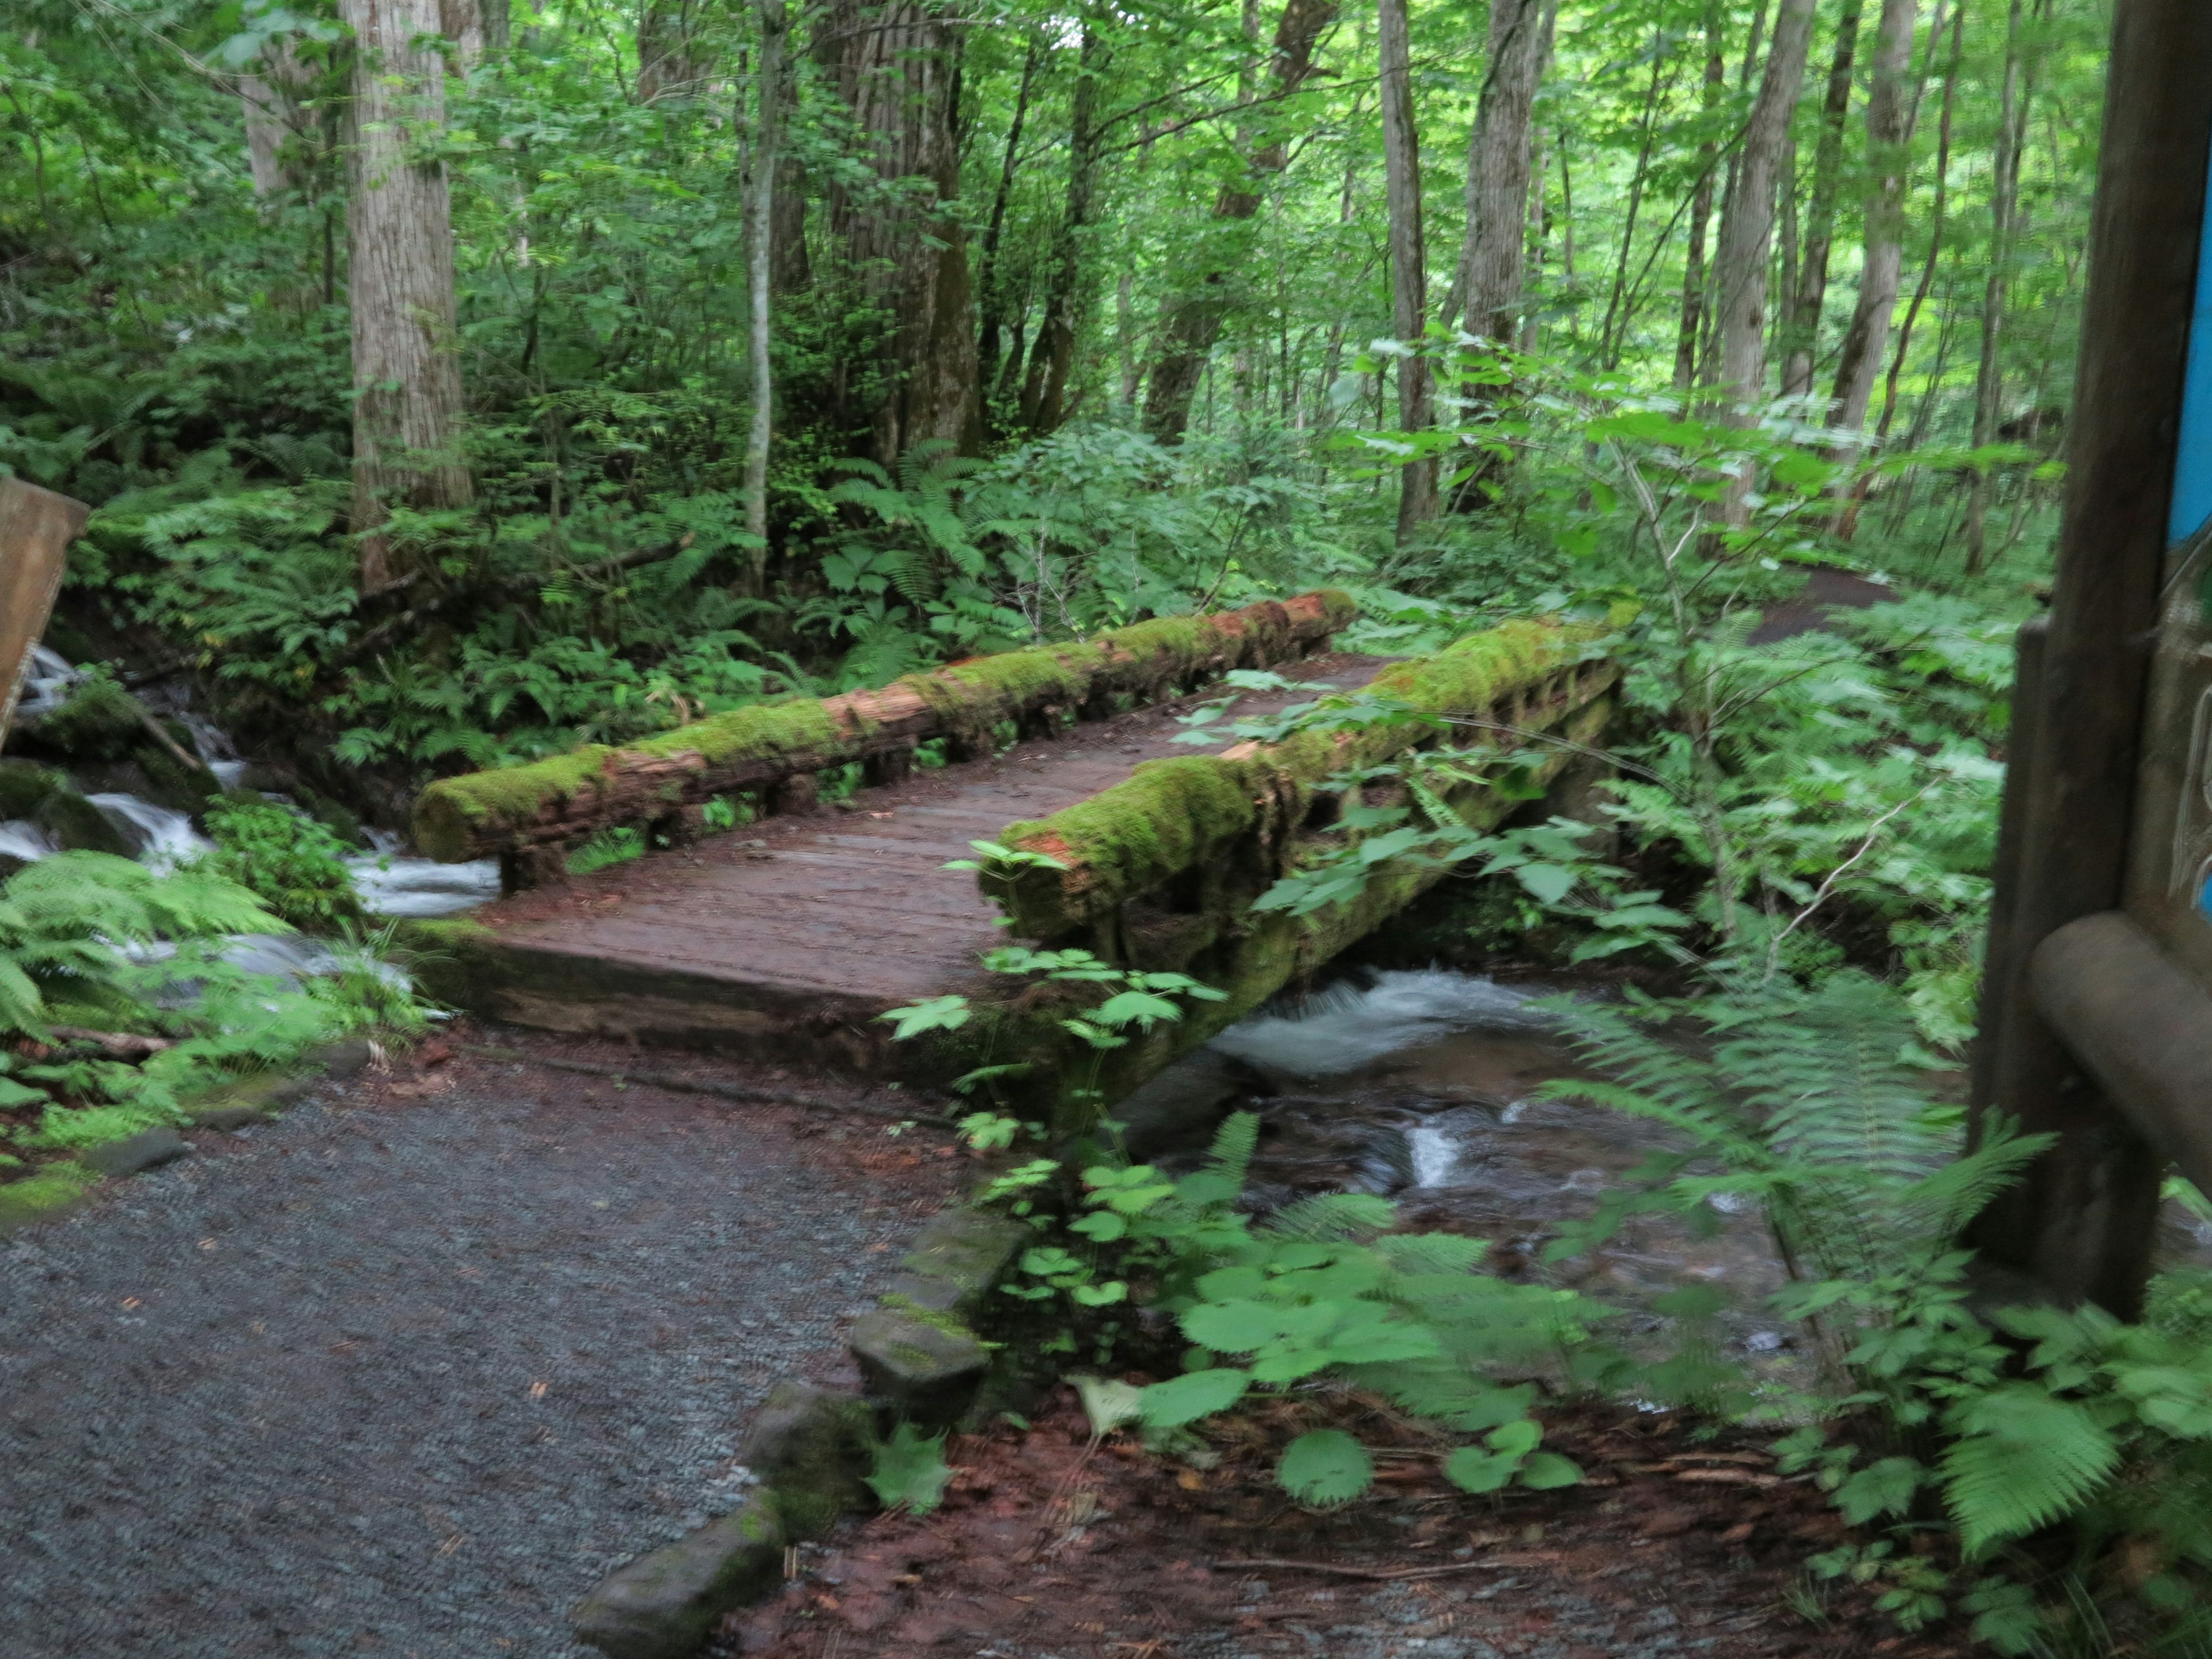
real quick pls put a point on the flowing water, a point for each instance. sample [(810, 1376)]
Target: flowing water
[(1427, 1086), (389, 881)]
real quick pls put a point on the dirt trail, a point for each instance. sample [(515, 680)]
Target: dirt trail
[(404, 1373)]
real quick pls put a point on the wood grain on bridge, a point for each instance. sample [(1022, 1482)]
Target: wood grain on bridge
[(815, 923)]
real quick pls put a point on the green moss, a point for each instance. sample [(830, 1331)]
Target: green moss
[(99, 721), (76, 824), (450, 813), (1166, 816), (802, 726), (23, 785), (945, 1323), (54, 1187)]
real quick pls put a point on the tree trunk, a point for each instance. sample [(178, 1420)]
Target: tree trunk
[(1193, 322), (2004, 202), (1889, 155), (1500, 156), (1692, 332), (987, 283), (1044, 393), (760, 270), (279, 131), (1747, 242), (667, 60), (1940, 215), (1807, 297), (896, 66), (406, 378), (1401, 165)]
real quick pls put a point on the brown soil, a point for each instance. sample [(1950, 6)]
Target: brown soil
[(1046, 1544)]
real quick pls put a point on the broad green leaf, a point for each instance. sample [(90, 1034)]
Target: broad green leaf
[(1324, 1466), (1194, 1394)]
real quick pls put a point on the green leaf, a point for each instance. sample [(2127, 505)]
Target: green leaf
[(1548, 884), (1109, 1404), (1548, 1471), (947, 1013), (1324, 1466), (1194, 1394), (908, 1470), (1881, 1488), (1472, 1469), (1233, 1327)]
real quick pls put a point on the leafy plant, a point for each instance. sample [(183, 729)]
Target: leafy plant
[(908, 1471), (606, 849), (292, 863)]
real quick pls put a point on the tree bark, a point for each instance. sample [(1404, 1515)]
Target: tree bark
[(406, 378), (667, 61), (1939, 217), (1747, 240), (1401, 168), (1889, 155), (279, 131), (2004, 202), (1807, 297), (1194, 320), (988, 284), (1044, 393), (1689, 337), (760, 271), (1493, 250), (896, 66)]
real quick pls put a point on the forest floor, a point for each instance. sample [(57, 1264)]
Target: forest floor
[(1049, 1546), (407, 1370)]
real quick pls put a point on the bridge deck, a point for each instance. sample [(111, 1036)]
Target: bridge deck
[(837, 913)]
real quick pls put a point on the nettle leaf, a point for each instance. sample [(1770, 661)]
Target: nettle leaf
[(1881, 1488), (1324, 1466), (1240, 1327), (1194, 1394)]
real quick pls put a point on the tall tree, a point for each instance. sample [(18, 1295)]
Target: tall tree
[(406, 378), (1493, 248), (279, 127), (1401, 165), (1805, 300), (668, 62), (1690, 337), (760, 268), (1888, 157), (989, 284), (896, 66), (1044, 393), (1747, 244), (2004, 207), (1193, 320)]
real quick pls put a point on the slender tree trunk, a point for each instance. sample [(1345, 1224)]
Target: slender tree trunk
[(1889, 157), (279, 131), (1493, 249), (2004, 202), (1044, 394), (987, 283), (1617, 307), (1747, 244), (760, 270), (896, 66), (1192, 321), (1807, 296), (1692, 332), (1125, 338), (1402, 164), (406, 379), (1939, 217)]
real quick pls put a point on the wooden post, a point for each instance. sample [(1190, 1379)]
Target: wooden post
[(36, 527), (2081, 1221)]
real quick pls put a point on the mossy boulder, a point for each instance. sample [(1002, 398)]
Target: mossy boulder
[(50, 1190), (99, 721), (23, 785), (76, 825)]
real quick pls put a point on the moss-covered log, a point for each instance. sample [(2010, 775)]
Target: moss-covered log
[(528, 816), (1187, 836)]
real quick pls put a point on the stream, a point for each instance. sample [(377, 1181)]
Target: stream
[(390, 883)]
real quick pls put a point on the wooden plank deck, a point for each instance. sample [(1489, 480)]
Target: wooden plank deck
[(798, 931)]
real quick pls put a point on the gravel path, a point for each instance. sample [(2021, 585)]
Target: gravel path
[(406, 1372)]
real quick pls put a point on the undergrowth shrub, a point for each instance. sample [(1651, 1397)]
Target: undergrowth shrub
[(290, 862)]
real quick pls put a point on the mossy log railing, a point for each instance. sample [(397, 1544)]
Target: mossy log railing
[(1161, 872), (530, 816)]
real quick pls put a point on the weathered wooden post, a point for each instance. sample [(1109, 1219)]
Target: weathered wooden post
[(36, 527), (2096, 1022)]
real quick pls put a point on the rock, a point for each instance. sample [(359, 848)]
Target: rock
[(77, 825), (228, 1118), (250, 1100), (956, 1260), (99, 721), (1183, 1105), (340, 1060), (924, 1365), (23, 785), (147, 1150), (809, 1445), (663, 1605)]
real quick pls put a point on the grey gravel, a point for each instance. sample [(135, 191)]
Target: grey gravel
[(286, 1400)]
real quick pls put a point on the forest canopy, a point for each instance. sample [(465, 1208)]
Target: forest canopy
[(457, 381)]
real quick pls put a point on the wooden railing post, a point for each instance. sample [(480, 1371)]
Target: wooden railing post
[(36, 527)]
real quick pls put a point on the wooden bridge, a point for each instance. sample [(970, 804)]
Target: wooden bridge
[(792, 933)]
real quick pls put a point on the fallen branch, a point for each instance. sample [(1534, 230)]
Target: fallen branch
[(118, 1045), (679, 1084), (1377, 1573)]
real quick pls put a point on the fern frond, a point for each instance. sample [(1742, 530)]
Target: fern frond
[(2024, 1459), (1230, 1157), (1333, 1217)]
